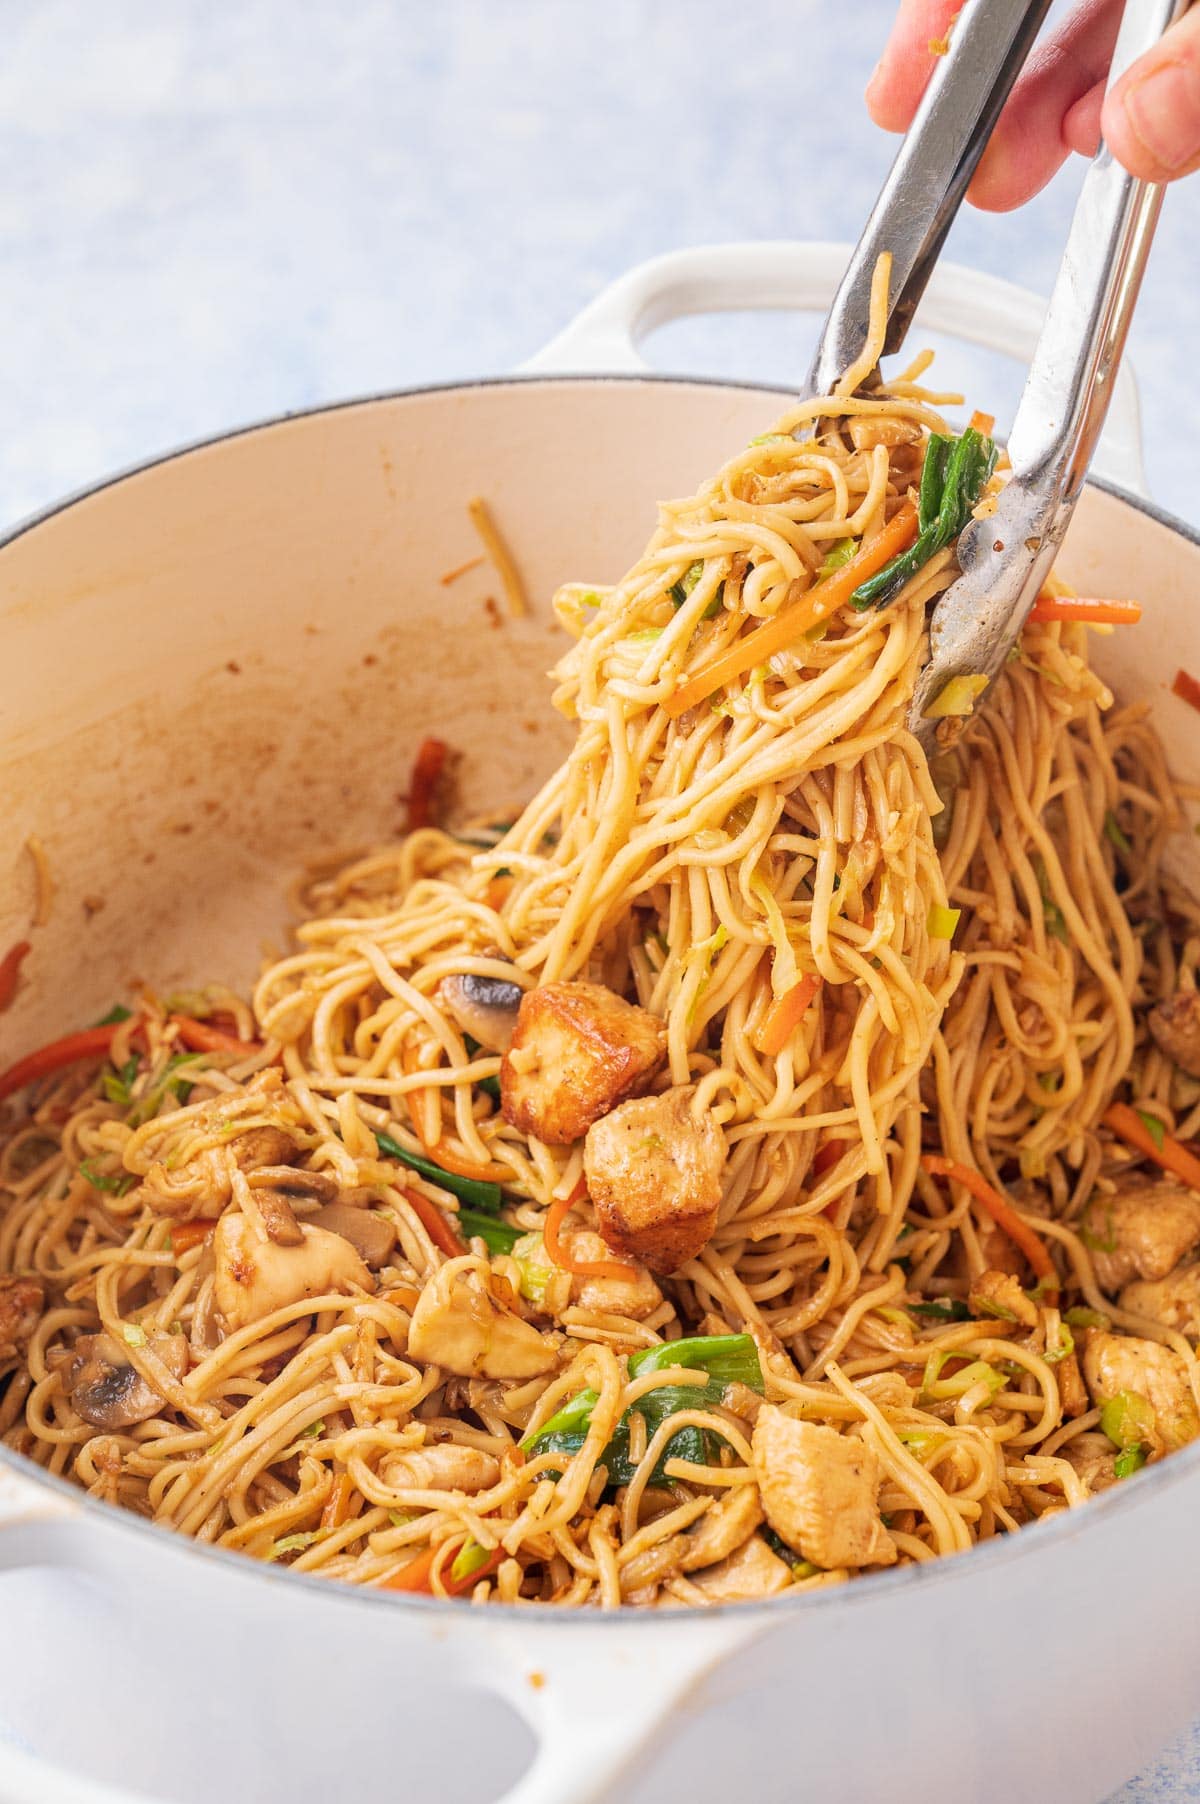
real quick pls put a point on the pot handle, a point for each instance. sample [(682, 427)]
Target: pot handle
[(720, 278), (602, 1693)]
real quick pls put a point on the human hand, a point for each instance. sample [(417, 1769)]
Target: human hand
[(1151, 119)]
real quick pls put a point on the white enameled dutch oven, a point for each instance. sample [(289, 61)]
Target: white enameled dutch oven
[(215, 667)]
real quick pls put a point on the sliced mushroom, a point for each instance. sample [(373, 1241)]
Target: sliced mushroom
[(372, 1236), (289, 1180), (107, 1390), (484, 1007), (278, 1218), (1175, 1025), (21, 1303)]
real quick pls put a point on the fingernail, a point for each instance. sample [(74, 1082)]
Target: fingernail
[(1163, 110)]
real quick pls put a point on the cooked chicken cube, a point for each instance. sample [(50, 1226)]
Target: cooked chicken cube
[(107, 1390), (723, 1528), (868, 431), (1142, 1231), (460, 1325), (636, 1296), (819, 1489), (753, 1571), (21, 1303), (255, 1276), (1174, 1300), (1175, 1025), (1116, 1363), (653, 1171), (447, 1467), (577, 1050), (203, 1185), (999, 1294)]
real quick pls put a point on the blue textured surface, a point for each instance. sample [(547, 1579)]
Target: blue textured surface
[(209, 214)]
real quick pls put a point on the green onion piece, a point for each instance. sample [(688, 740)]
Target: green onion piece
[(1154, 1127), (838, 554), (401, 1518), (294, 1543), (727, 1358), (952, 479), (469, 1558), (117, 1084), (133, 1334), (957, 699), (716, 604), (1089, 1236), (117, 1183), (943, 1309), (535, 1266), (680, 590), (1112, 832), (497, 1236), (920, 1442), (472, 1191), (313, 1432), (1129, 1461), (1127, 1419), (116, 1013), (978, 1371), (1080, 1317), (942, 922), (1063, 1348)]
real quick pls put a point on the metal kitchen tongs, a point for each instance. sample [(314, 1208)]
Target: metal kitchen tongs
[(1005, 557)]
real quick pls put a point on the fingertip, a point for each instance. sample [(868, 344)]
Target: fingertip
[(1081, 126), (1151, 119), (1015, 166)]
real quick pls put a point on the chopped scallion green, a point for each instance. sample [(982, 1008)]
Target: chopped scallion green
[(953, 477)]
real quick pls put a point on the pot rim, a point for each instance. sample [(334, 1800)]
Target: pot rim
[(1066, 1525)]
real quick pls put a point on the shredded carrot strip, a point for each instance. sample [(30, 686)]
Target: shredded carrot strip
[(10, 972), (1000, 1210), (1186, 688), (200, 1037), (443, 1236), (498, 891), (429, 767), (188, 1234), (1172, 1155), (424, 1106), (785, 1015), (92, 1043), (797, 617), (827, 1157), (337, 1504), (418, 1574), (556, 1214), (1084, 612), (451, 576), (983, 422), (404, 1294)]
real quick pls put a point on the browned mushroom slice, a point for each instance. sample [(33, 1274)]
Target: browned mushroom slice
[(289, 1180), (278, 1218), (21, 1303), (372, 1236), (107, 1390), (484, 1007), (1175, 1025)]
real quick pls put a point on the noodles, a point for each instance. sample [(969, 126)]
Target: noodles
[(588, 1200)]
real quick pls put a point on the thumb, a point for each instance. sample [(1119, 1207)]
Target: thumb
[(1151, 118)]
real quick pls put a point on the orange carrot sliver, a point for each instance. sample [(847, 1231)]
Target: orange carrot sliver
[(1171, 1155), (1186, 688), (983, 422), (188, 1234), (785, 1015), (428, 769), (10, 972), (1000, 1210), (418, 1574), (92, 1043), (198, 1036), (424, 1106), (557, 1253), (337, 1504), (1084, 612), (797, 617), (435, 1224)]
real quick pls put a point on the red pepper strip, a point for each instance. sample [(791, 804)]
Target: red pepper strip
[(91, 1043), (435, 1224), (198, 1036), (428, 768), (827, 1157), (418, 1574), (1186, 688), (188, 1234), (10, 972)]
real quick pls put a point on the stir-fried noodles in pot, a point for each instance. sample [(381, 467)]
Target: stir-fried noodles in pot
[(762, 1161)]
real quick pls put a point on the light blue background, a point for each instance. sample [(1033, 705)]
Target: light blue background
[(212, 212)]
